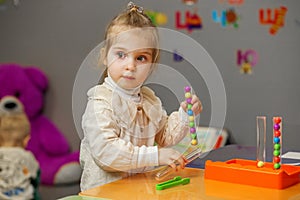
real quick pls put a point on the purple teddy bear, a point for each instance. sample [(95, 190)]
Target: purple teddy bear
[(58, 164)]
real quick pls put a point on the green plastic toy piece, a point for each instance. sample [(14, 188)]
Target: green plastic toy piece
[(173, 182)]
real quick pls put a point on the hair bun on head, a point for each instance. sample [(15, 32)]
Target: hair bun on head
[(132, 7)]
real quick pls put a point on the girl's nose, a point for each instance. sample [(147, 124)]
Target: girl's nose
[(131, 65)]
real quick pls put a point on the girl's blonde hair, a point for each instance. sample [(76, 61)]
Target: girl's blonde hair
[(129, 19)]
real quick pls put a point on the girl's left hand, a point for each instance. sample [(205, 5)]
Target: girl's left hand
[(197, 105)]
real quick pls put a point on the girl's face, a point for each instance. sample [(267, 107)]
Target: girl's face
[(129, 59)]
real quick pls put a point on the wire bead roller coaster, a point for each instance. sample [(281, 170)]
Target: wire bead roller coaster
[(197, 148)]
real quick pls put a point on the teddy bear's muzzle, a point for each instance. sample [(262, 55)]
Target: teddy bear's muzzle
[(10, 104)]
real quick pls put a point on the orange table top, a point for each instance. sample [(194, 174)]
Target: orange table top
[(142, 186)]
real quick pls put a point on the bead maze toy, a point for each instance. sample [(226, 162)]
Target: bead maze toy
[(257, 173), (192, 124), (193, 147)]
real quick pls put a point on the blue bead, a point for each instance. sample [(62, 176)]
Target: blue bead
[(276, 140), (190, 112)]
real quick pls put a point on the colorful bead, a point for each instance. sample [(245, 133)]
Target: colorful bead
[(276, 139), (276, 159), (192, 130), (191, 118), (276, 153), (260, 164), (191, 124), (187, 89), (189, 100), (276, 165), (276, 127), (194, 142), (276, 146), (277, 133), (277, 120), (188, 95)]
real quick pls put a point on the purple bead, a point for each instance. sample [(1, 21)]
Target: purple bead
[(192, 130), (187, 89), (276, 127), (189, 100)]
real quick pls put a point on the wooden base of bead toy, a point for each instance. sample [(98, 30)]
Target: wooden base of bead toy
[(246, 172)]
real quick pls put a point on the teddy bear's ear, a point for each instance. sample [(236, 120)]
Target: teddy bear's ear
[(38, 77)]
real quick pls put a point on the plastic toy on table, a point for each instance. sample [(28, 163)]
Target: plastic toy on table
[(250, 172), (171, 183), (193, 147)]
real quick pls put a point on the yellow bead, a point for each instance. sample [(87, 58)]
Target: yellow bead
[(191, 118), (188, 95), (260, 164), (194, 142)]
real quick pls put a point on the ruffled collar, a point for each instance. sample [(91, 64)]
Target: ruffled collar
[(128, 94), (125, 110)]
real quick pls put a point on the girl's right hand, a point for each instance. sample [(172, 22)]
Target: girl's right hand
[(171, 157)]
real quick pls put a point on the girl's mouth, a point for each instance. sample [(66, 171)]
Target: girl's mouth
[(128, 77)]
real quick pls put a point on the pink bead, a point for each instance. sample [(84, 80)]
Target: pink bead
[(189, 100), (192, 130), (276, 127), (187, 88)]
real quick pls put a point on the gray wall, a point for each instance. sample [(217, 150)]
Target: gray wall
[(58, 35)]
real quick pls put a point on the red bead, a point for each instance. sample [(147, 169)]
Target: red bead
[(276, 159), (277, 133), (277, 120)]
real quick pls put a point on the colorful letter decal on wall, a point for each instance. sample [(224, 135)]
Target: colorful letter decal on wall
[(177, 57), (191, 21), (276, 20), (246, 60), (226, 17), (157, 18)]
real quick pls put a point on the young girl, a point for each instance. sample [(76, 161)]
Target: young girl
[(126, 130)]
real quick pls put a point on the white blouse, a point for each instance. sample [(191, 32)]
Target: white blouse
[(122, 133)]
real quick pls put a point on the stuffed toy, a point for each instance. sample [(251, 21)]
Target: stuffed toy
[(19, 174), (58, 164)]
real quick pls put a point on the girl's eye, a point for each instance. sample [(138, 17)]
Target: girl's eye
[(142, 58), (121, 54)]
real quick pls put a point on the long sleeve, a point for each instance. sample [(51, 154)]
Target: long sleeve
[(173, 131)]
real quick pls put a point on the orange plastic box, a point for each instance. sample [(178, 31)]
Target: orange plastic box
[(246, 172)]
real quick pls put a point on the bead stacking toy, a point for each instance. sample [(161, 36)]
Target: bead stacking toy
[(192, 124), (258, 173), (277, 131)]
